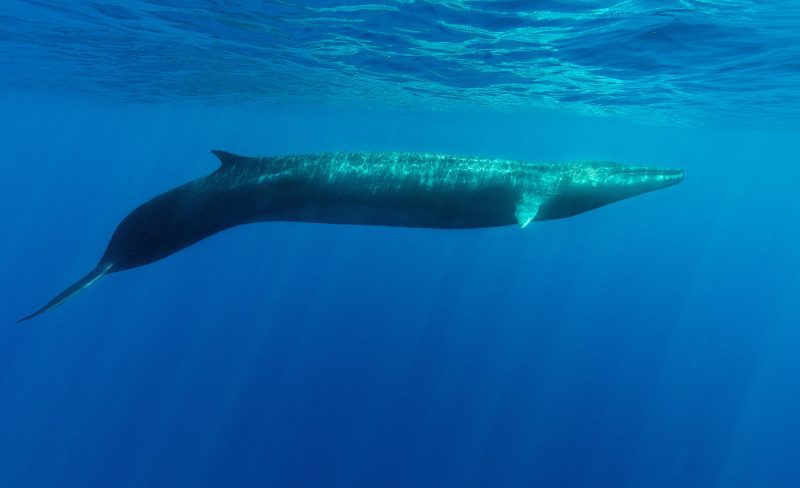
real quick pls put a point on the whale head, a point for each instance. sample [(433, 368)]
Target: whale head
[(586, 186)]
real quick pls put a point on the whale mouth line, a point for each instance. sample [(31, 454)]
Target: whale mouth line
[(669, 174), (649, 171)]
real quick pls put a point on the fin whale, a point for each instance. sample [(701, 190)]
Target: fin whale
[(386, 189)]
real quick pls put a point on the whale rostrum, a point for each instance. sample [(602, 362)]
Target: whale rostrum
[(386, 189)]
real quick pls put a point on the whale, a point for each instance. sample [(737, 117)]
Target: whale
[(420, 190)]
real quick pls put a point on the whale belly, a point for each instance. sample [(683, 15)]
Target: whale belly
[(445, 210)]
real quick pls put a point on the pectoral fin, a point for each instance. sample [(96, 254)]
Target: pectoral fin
[(527, 208)]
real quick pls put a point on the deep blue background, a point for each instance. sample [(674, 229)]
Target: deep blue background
[(649, 343)]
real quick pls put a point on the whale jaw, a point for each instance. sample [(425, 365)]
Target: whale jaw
[(596, 184), (643, 179)]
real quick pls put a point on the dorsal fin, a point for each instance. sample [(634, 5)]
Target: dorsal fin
[(227, 159)]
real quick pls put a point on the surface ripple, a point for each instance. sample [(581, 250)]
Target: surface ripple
[(670, 61)]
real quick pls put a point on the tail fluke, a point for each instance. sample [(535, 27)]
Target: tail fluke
[(73, 290)]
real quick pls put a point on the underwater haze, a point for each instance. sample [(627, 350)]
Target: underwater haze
[(653, 342)]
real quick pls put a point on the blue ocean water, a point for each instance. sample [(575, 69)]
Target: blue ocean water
[(652, 342)]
